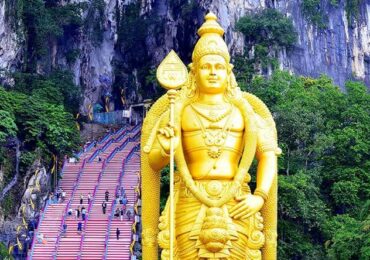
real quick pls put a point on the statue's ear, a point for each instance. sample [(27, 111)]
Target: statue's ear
[(230, 68)]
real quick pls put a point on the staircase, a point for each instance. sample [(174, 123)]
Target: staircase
[(118, 166)]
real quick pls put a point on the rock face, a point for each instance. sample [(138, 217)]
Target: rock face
[(10, 41), (35, 188), (36, 192), (130, 49)]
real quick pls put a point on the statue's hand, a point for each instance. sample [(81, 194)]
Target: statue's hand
[(164, 138), (248, 205)]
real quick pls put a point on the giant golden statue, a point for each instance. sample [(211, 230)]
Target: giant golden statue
[(216, 133)]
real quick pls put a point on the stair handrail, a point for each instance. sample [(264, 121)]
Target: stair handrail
[(35, 232), (94, 154), (135, 127), (133, 229), (119, 132), (102, 149), (136, 135), (86, 149), (91, 145), (124, 143), (105, 138), (108, 229), (43, 210), (89, 208), (106, 145), (121, 136), (77, 183), (112, 154), (136, 213), (124, 162)]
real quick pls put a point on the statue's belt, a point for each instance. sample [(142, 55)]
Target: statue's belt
[(213, 189)]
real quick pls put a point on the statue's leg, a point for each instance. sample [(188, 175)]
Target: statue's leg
[(250, 238), (186, 215)]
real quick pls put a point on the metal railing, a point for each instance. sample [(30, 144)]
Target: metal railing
[(124, 161), (35, 232), (90, 206), (114, 117), (62, 221)]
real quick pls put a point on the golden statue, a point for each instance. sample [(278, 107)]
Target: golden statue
[(215, 131)]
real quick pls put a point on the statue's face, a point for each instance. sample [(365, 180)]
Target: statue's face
[(211, 74)]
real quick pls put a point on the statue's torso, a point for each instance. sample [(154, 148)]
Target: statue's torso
[(212, 138)]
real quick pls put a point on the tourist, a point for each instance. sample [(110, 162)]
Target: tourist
[(88, 198), (83, 213), (123, 192), (58, 195), (81, 199), (78, 212), (124, 200), (70, 211), (122, 213), (106, 195), (117, 212), (64, 229), (51, 197), (118, 232), (128, 214), (63, 195), (79, 226), (40, 238), (104, 206)]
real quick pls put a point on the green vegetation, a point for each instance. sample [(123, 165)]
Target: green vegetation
[(352, 10), (7, 204), (265, 34), (44, 23), (72, 55), (41, 108), (132, 29), (312, 9), (8, 127), (4, 253), (324, 181)]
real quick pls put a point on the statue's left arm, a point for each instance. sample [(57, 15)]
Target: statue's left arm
[(266, 154), (266, 172), (267, 151)]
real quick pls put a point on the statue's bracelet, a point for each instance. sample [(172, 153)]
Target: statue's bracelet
[(261, 193)]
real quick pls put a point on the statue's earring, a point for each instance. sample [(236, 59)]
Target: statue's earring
[(231, 86), (230, 68), (192, 84)]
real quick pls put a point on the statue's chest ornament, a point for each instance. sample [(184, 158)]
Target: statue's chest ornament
[(214, 137)]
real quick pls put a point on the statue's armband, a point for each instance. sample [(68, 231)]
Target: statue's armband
[(266, 136)]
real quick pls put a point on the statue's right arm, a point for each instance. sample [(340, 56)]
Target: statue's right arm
[(159, 155), (158, 158)]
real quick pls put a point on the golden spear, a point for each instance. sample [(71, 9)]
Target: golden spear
[(172, 74)]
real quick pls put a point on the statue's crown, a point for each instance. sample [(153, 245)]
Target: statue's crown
[(211, 41)]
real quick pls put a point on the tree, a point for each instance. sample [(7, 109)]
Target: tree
[(8, 127)]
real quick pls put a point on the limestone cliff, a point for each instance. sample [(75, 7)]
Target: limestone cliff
[(134, 36)]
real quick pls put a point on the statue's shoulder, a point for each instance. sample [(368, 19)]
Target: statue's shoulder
[(267, 135), (259, 107)]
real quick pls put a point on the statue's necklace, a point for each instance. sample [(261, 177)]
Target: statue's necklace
[(213, 116), (214, 139)]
